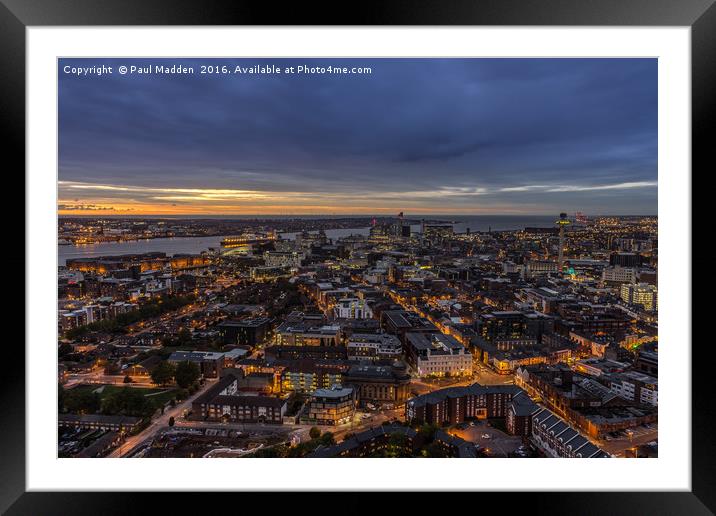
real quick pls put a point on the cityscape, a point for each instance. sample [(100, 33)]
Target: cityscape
[(306, 288)]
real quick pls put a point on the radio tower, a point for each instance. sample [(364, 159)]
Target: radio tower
[(562, 223)]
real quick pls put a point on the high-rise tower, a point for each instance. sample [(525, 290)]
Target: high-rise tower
[(563, 222)]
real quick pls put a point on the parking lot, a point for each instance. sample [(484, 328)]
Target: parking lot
[(74, 441), (617, 443), (494, 442)]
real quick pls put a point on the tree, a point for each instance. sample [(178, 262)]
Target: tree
[(127, 401), (328, 439), (163, 373), (271, 452), (112, 368), (60, 397), (314, 433), (427, 432), (82, 401), (167, 341), (186, 374), (434, 450), (171, 421), (65, 349), (183, 337), (303, 449), (119, 324), (397, 445), (216, 343)]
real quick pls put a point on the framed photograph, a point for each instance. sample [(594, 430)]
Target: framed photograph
[(417, 250)]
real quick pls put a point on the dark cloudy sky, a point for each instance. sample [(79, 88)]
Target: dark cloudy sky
[(460, 136)]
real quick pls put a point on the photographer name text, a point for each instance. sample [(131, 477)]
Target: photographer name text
[(211, 70)]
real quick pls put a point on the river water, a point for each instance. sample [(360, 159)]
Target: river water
[(194, 245), (170, 246)]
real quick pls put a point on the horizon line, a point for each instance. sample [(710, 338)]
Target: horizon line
[(342, 215)]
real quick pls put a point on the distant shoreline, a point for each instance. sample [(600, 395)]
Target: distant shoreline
[(258, 218)]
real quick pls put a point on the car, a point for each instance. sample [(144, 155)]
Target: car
[(486, 436), (472, 423)]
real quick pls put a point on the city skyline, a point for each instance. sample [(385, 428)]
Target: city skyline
[(423, 136)]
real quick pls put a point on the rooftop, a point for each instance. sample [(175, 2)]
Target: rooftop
[(433, 341), (333, 393), (246, 323), (475, 389), (195, 356)]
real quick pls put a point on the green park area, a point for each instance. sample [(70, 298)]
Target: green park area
[(113, 399)]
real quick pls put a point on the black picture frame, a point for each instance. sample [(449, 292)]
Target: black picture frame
[(700, 15)]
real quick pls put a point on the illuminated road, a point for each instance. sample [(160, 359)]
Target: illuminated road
[(361, 421), (133, 441), (359, 424), (481, 373), (487, 376), (142, 327)]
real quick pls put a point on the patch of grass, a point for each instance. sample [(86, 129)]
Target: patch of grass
[(158, 396), (161, 396)]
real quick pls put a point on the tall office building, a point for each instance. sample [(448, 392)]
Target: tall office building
[(563, 222), (641, 294)]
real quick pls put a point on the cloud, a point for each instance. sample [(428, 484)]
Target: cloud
[(422, 132), (86, 207), (578, 188), (618, 186)]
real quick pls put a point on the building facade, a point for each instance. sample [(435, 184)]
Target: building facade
[(556, 438), (246, 332), (374, 346), (642, 294), (379, 384), (225, 402), (456, 404), (352, 308), (334, 406), (436, 354)]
